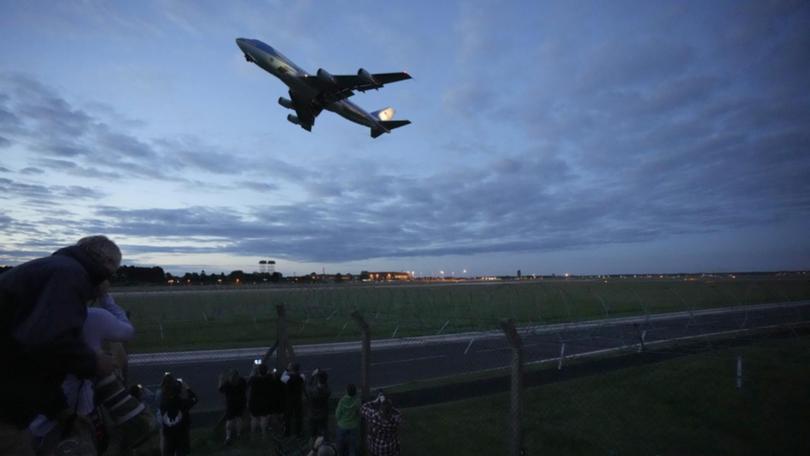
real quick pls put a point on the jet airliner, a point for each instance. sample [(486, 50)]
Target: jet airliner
[(309, 94)]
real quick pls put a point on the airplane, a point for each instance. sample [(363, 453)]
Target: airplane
[(309, 94)]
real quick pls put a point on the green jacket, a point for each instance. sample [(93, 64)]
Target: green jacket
[(347, 413)]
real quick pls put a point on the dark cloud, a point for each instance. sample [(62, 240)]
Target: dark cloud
[(96, 142), (259, 186), (31, 170), (47, 194), (72, 168)]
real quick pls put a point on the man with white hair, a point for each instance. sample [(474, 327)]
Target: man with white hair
[(43, 306)]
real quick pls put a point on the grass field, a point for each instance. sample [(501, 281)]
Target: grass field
[(196, 319), (687, 406)]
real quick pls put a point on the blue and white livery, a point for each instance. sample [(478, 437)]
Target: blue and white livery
[(309, 95)]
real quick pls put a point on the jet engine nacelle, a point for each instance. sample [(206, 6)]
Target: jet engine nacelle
[(324, 76), (293, 119), (285, 102), (366, 77)]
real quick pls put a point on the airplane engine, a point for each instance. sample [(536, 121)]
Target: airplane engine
[(285, 102), (366, 77), (324, 76), (293, 119)]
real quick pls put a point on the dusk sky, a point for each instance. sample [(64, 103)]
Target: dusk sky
[(550, 137)]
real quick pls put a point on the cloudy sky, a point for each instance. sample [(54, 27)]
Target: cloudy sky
[(550, 137)]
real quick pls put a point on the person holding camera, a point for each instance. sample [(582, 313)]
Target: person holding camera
[(318, 393), (43, 307), (259, 398), (107, 322), (382, 426), (294, 400), (276, 401)]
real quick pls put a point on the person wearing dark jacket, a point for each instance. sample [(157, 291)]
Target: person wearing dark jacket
[(177, 399), (259, 398), (294, 400), (318, 393), (234, 387), (43, 305), (277, 400)]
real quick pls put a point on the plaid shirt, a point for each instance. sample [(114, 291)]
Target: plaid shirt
[(383, 438)]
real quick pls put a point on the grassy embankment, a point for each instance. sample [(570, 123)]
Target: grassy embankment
[(181, 320)]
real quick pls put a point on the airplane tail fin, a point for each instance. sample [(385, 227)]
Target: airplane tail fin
[(387, 126), (384, 114)]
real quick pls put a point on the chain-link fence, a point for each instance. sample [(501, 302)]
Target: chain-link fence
[(653, 363)]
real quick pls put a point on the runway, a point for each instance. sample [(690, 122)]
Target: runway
[(399, 361)]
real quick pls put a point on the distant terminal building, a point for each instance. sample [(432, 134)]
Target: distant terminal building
[(383, 276)]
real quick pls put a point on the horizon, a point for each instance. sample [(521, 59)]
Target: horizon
[(547, 137)]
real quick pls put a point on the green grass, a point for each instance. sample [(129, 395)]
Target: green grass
[(197, 319), (686, 406)]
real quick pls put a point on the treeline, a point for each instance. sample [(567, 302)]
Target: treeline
[(232, 278), (137, 275)]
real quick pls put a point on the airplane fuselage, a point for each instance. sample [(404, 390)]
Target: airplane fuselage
[(293, 76)]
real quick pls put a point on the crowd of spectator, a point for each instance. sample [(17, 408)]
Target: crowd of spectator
[(277, 402), (64, 390)]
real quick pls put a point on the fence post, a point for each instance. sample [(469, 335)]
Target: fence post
[(642, 334), (516, 444), (365, 355), (285, 350)]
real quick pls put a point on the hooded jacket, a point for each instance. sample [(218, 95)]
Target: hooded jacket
[(43, 305), (347, 413)]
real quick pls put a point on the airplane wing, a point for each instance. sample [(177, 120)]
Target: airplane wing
[(305, 109), (377, 80), (341, 86)]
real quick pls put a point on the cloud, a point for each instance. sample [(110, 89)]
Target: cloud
[(259, 186), (97, 142), (50, 194), (72, 168), (575, 130), (533, 201), (31, 170), (469, 98)]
